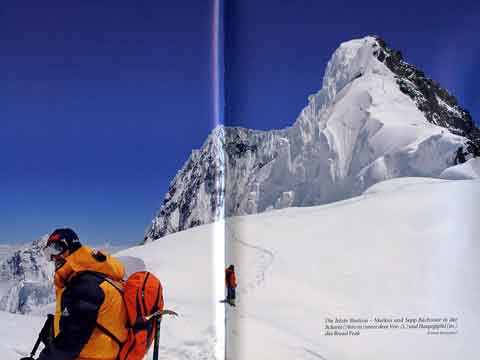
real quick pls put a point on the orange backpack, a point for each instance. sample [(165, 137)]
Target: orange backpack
[(143, 297)]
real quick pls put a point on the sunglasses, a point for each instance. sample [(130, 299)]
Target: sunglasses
[(56, 248)]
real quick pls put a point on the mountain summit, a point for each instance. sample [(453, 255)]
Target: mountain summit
[(376, 117)]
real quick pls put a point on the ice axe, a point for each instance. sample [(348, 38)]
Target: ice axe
[(45, 336), (158, 319)]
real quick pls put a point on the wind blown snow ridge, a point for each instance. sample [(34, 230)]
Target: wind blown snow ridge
[(375, 118)]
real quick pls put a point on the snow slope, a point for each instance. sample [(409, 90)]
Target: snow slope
[(184, 262), (18, 334), (407, 247)]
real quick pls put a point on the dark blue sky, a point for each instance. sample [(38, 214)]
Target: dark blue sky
[(101, 102)]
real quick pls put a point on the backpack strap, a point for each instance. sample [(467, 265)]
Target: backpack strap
[(109, 334), (103, 277), (113, 283)]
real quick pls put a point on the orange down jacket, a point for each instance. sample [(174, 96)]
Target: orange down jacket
[(230, 280), (90, 316)]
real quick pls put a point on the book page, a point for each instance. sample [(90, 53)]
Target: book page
[(105, 106), (352, 182)]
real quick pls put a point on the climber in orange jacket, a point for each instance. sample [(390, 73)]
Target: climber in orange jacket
[(231, 284), (90, 317)]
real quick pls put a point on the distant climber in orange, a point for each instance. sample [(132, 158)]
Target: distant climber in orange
[(231, 284)]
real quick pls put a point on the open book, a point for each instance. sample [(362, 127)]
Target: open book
[(314, 147)]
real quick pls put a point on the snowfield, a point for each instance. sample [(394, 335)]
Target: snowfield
[(18, 334), (408, 247)]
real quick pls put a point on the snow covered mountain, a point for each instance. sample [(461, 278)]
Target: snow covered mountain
[(6, 251), (26, 280), (376, 117)]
